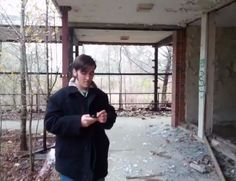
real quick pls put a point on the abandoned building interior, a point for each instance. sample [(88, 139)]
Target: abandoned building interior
[(203, 36)]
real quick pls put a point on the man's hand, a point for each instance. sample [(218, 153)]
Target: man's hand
[(87, 120), (102, 116)]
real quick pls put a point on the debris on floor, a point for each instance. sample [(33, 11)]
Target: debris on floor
[(142, 113), (161, 154), (149, 149), (224, 152), (228, 165), (48, 165), (149, 177), (199, 167), (155, 148)]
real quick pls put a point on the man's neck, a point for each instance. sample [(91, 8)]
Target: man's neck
[(80, 88)]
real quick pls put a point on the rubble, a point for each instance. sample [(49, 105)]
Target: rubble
[(155, 147), (228, 165), (225, 152), (149, 177), (160, 154), (47, 166), (142, 113), (199, 167)]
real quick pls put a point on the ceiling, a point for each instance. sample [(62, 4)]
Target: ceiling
[(124, 21), (135, 21), (224, 17), (163, 12), (118, 36)]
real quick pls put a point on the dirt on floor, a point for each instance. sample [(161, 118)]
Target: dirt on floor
[(142, 148), (132, 112), (150, 149), (15, 164)]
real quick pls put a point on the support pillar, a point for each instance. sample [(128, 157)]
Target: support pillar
[(0, 54), (65, 45), (70, 51), (202, 75), (76, 50), (178, 76), (210, 73), (156, 96)]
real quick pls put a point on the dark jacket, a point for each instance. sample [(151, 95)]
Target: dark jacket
[(81, 153)]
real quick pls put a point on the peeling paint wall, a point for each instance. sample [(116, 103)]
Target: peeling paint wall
[(192, 68), (225, 76), (224, 80)]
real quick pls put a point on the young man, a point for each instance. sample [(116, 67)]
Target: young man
[(78, 115)]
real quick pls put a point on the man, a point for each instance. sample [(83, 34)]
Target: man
[(78, 115)]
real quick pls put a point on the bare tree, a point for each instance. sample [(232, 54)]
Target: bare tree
[(30, 118), (138, 61), (21, 36), (47, 70), (23, 138), (168, 56), (27, 33)]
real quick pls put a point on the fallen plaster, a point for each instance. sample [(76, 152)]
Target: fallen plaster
[(222, 151), (150, 148)]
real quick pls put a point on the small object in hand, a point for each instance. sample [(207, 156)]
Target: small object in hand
[(93, 115)]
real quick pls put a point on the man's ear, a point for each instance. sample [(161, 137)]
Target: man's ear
[(74, 73)]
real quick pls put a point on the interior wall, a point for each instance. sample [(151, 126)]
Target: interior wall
[(192, 69), (225, 76)]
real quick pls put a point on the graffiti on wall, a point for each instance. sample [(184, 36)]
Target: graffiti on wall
[(202, 78)]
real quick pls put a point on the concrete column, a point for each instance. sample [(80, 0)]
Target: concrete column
[(1, 68), (202, 75), (65, 44), (178, 76), (210, 73), (0, 48)]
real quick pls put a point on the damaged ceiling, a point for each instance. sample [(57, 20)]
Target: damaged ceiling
[(120, 21)]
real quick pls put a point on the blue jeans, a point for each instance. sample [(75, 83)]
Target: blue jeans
[(65, 178)]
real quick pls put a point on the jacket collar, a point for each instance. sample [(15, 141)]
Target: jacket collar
[(91, 93), (72, 90)]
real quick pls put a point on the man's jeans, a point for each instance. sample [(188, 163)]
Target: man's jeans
[(65, 178)]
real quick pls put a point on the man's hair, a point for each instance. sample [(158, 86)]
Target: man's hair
[(82, 62)]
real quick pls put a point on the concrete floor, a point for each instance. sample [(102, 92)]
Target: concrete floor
[(141, 147), (133, 140), (37, 126)]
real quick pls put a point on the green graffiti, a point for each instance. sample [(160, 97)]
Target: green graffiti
[(202, 77)]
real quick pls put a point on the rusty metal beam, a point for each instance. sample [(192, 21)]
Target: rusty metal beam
[(33, 34), (166, 41), (65, 45), (120, 26), (31, 26), (99, 73), (178, 78), (116, 43)]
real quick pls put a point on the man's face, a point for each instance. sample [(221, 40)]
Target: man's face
[(84, 78)]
